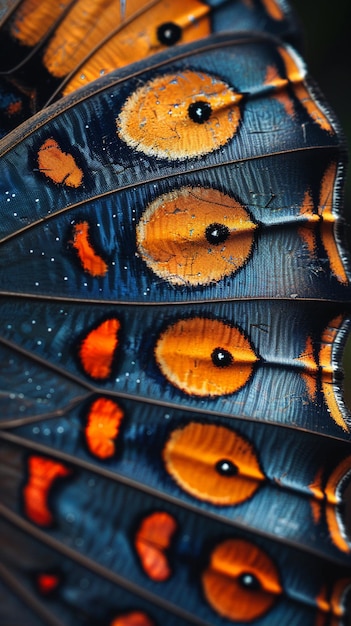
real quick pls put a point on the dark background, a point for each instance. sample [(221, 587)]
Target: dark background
[(326, 27)]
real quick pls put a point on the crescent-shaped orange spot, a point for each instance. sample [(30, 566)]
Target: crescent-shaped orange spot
[(135, 618), (180, 116), (296, 75), (58, 166), (90, 260), (42, 473), (333, 493), (101, 431), (151, 542), (97, 350), (241, 582), (205, 357), (195, 236), (213, 463)]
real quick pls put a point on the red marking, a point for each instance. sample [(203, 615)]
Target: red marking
[(47, 583), (14, 108), (98, 348), (135, 618), (42, 474), (90, 260), (151, 541), (104, 420)]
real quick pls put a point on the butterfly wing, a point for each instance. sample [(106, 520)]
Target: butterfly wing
[(174, 441)]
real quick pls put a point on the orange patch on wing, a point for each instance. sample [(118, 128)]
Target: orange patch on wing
[(195, 236), (85, 26), (97, 350), (90, 260), (325, 209), (42, 473), (14, 108), (332, 606), (57, 165), (180, 116), (333, 501), (326, 220), (213, 463), (135, 618), (318, 496), (140, 36), (326, 362), (310, 366), (296, 75), (47, 582), (34, 18), (241, 582), (103, 423), (151, 542), (205, 357), (273, 9)]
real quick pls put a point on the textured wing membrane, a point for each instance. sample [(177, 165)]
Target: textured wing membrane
[(49, 49), (174, 442)]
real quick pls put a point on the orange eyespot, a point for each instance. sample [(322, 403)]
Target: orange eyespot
[(97, 350), (57, 165), (241, 582), (90, 260), (195, 236), (180, 116), (160, 25), (151, 542), (213, 463), (205, 357), (42, 473), (101, 431), (135, 618)]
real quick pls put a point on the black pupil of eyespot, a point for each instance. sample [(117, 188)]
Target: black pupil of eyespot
[(249, 581), (169, 33), (217, 233), (221, 357), (200, 111), (224, 467)]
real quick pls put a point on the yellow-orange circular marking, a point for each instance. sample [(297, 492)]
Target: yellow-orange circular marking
[(193, 454), (134, 618), (173, 236), (103, 424), (186, 353), (155, 119), (137, 38), (151, 542), (42, 473), (241, 582), (58, 166), (97, 350)]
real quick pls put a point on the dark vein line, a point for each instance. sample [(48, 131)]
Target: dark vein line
[(28, 598), (92, 389), (167, 176), (173, 500), (99, 570)]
